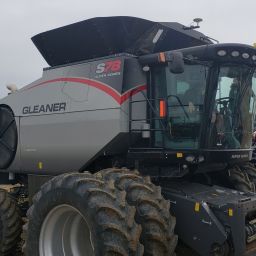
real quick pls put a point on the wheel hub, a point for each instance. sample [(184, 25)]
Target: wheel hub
[(65, 232)]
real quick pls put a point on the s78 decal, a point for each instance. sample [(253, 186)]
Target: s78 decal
[(108, 68)]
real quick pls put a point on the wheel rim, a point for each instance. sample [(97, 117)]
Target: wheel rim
[(65, 232)]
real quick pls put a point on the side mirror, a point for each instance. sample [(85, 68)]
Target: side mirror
[(175, 62)]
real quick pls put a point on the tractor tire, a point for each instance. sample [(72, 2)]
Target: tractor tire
[(78, 214), (242, 177), (10, 225), (152, 210)]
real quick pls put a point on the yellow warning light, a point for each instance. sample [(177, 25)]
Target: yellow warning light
[(179, 155), (197, 207), (40, 165), (230, 212)]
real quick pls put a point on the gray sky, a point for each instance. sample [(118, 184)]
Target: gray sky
[(21, 63)]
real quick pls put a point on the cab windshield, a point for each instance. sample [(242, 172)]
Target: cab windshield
[(233, 113), (225, 112)]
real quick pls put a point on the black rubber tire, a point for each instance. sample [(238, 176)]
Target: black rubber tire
[(152, 210), (10, 224), (242, 177), (115, 231)]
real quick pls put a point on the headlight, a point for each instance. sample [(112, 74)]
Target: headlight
[(245, 55), (190, 158), (235, 53), (222, 53)]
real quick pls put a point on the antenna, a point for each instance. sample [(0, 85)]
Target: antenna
[(195, 20)]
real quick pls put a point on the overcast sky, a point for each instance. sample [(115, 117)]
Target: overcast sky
[(21, 63)]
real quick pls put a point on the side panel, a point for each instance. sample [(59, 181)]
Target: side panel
[(64, 142), (71, 113)]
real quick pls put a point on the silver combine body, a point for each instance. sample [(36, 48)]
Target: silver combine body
[(73, 112), (78, 110)]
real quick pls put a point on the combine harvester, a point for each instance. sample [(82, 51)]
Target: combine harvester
[(136, 126)]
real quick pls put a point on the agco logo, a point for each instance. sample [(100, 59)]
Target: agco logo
[(108, 68)]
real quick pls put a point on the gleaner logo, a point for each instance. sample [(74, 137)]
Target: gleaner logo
[(54, 107)]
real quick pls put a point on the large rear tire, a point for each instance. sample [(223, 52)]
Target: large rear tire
[(152, 210), (78, 214), (10, 224)]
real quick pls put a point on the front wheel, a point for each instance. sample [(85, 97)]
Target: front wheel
[(78, 214)]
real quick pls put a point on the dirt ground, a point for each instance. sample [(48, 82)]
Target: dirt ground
[(182, 250)]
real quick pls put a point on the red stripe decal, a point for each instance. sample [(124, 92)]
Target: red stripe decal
[(132, 92), (120, 99)]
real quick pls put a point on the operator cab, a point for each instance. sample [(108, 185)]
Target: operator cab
[(209, 105)]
